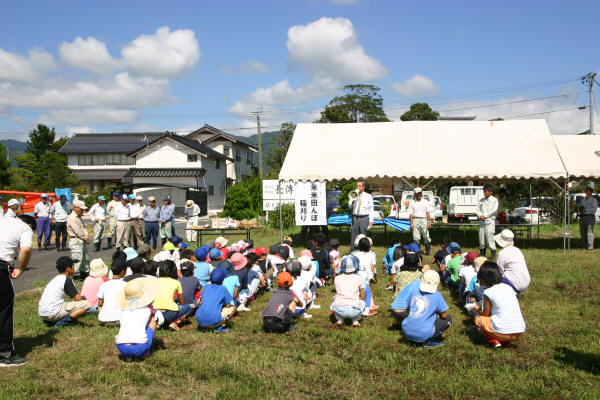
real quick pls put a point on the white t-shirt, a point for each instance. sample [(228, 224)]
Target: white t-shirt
[(506, 313), (109, 291), (514, 268), (467, 272), (54, 295), (134, 210), (419, 209), (14, 234), (133, 326), (299, 287), (122, 212), (397, 265)]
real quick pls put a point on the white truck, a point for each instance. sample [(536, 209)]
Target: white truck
[(407, 196), (462, 203)]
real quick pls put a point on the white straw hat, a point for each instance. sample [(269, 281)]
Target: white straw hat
[(505, 238)]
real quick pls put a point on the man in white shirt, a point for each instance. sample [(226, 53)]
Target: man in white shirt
[(123, 217), (13, 206), (60, 212), (361, 211), (192, 211), (418, 214), (487, 209), (112, 221), (587, 218), (42, 215), (135, 229), (16, 234), (98, 215)]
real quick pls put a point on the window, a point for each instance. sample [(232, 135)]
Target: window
[(192, 157), (237, 155), (248, 157), (211, 190), (119, 159), (218, 164), (227, 151), (222, 190), (91, 159)]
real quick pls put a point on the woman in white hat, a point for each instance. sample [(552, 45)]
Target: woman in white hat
[(192, 211), (137, 322), (512, 262), (91, 284)]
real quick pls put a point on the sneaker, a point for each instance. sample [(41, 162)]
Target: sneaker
[(469, 307), (315, 306), (306, 316), (221, 329), (243, 308), (432, 344), (173, 326), (495, 343), (339, 323), (372, 312), (13, 361), (356, 324), (389, 288)]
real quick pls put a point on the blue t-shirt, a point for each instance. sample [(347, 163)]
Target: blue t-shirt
[(202, 272), (252, 275), (401, 301), (388, 260), (214, 298), (471, 286), (230, 283), (424, 307)]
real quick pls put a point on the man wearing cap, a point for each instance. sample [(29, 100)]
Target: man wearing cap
[(42, 215), (587, 218), (165, 218), (60, 212), (362, 211), (112, 221), (123, 217), (78, 240), (140, 202), (487, 209), (192, 211), (13, 206), (418, 214), (151, 216), (135, 230), (16, 235), (99, 216)]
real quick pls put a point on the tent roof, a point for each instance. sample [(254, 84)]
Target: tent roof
[(580, 154), (386, 152)]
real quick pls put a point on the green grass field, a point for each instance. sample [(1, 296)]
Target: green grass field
[(558, 356)]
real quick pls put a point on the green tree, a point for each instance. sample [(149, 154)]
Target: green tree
[(276, 155), (244, 200), (358, 103), (59, 143), (420, 112), (40, 140), (48, 172), (4, 165)]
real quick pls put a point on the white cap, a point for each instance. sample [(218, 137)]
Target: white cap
[(13, 202), (418, 190), (79, 204), (429, 281), (139, 198)]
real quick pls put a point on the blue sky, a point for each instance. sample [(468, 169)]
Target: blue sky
[(154, 66)]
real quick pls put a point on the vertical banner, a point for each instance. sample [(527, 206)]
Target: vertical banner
[(273, 190), (310, 203)]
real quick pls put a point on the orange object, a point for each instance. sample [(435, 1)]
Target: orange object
[(29, 199)]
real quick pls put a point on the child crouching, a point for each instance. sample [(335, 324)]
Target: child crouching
[(279, 313), (349, 300), (215, 308)]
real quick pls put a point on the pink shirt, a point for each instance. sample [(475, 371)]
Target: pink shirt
[(90, 288), (347, 287)]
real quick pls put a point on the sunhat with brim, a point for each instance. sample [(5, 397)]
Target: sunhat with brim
[(221, 241), (169, 246), (137, 293), (505, 238), (162, 256), (239, 261), (305, 262), (478, 262), (235, 247), (189, 203), (288, 239), (98, 269), (357, 239), (130, 253), (218, 275), (349, 264), (429, 281), (306, 253), (79, 204)]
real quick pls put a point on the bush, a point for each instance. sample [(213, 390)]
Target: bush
[(288, 216), (347, 188), (244, 200), (386, 208), (92, 198)]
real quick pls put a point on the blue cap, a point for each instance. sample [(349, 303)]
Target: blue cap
[(217, 276), (130, 253), (101, 198), (116, 194), (215, 254), (201, 253), (63, 197), (131, 197), (168, 198), (412, 247), (451, 246), (184, 245), (124, 197), (176, 240)]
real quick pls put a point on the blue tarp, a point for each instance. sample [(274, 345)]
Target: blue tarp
[(397, 224), (66, 192)]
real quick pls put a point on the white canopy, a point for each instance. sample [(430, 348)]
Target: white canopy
[(389, 151), (580, 154)]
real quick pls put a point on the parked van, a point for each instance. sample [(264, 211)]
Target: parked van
[(462, 203), (408, 195)]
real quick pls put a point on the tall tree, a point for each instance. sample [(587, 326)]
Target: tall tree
[(420, 112), (40, 141), (358, 103), (276, 155), (4, 165), (59, 143)]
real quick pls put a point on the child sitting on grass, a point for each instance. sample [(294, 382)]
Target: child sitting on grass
[(427, 312), (202, 270), (474, 292), (450, 270), (189, 284), (278, 316), (367, 263), (287, 242), (409, 272), (137, 321), (334, 254), (466, 273), (500, 321), (167, 288), (52, 307), (92, 283), (110, 313), (215, 308), (388, 259), (397, 262), (349, 300)]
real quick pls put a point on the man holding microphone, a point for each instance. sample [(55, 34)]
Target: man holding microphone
[(362, 212)]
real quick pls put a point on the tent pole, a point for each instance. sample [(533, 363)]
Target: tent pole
[(427, 184), (280, 217), (408, 183), (568, 212)]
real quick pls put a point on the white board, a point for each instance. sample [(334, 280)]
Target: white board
[(310, 203)]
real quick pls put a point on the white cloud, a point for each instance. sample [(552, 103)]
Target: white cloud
[(417, 85), (80, 129), (163, 54), (89, 55), (329, 48), (253, 67), (15, 67)]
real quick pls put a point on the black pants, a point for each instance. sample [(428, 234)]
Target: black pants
[(61, 230), (7, 302), (277, 325), (440, 326)]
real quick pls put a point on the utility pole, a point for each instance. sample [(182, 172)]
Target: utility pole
[(590, 79), (260, 165)]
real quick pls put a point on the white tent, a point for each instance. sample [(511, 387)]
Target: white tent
[(580, 155), (386, 152)]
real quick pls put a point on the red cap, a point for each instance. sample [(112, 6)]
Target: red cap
[(471, 256), (225, 252), (260, 251)]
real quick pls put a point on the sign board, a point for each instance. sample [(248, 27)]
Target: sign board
[(311, 203), (271, 193)]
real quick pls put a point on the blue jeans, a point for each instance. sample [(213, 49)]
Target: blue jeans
[(299, 311), (170, 316), (368, 295), (353, 313), (151, 229), (137, 350)]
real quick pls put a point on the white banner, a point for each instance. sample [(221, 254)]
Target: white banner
[(271, 205), (311, 203), (272, 190)]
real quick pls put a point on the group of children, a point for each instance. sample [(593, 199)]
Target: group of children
[(213, 283)]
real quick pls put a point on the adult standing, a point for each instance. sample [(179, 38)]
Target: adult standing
[(151, 215), (192, 211), (419, 216), (172, 206), (487, 209), (587, 218), (165, 218), (42, 215), (512, 262), (60, 212), (112, 220), (140, 201), (16, 234), (13, 205), (78, 240), (135, 229), (99, 216), (123, 217), (362, 211)]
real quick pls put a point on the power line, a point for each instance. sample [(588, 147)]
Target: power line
[(547, 112)]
